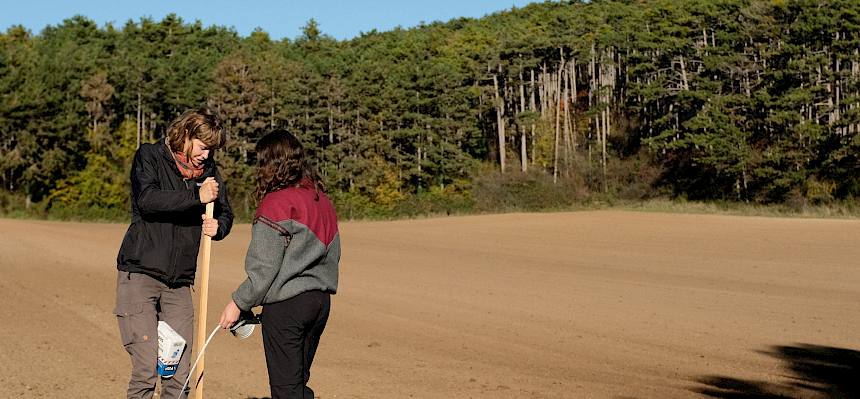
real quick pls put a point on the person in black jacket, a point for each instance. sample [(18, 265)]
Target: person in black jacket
[(171, 181)]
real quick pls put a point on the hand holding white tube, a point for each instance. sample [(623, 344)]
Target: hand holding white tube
[(230, 315)]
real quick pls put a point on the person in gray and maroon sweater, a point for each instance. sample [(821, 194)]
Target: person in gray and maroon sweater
[(292, 263)]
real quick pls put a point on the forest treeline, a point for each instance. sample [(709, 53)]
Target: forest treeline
[(731, 100)]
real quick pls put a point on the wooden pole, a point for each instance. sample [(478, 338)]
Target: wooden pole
[(203, 292)]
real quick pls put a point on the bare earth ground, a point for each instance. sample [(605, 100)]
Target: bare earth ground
[(566, 305)]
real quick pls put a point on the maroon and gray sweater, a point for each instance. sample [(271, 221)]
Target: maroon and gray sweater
[(295, 247)]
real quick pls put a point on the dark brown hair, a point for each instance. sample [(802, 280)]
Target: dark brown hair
[(202, 124), (281, 163)]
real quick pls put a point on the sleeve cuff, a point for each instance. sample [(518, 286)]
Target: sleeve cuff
[(240, 303)]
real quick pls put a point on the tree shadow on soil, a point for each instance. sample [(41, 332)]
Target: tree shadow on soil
[(811, 371)]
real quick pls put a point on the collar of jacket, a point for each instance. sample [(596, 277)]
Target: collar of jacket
[(208, 164)]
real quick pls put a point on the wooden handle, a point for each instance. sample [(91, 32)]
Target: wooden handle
[(203, 296)]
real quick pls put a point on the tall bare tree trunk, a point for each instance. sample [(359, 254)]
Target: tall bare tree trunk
[(855, 74), (419, 155), (573, 100), (566, 129), (556, 107), (330, 123), (685, 85), (837, 92), (532, 107), (500, 121), (594, 98), (524, 160), (542, 83), (606, 89)]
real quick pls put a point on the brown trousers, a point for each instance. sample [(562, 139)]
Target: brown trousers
[(141, 301)]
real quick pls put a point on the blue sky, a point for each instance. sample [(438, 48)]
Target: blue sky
[(281, 19)]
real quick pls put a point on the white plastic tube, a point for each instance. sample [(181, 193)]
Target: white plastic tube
[(202, 350)]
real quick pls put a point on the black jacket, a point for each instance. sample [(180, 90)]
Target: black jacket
[(164, 237)]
